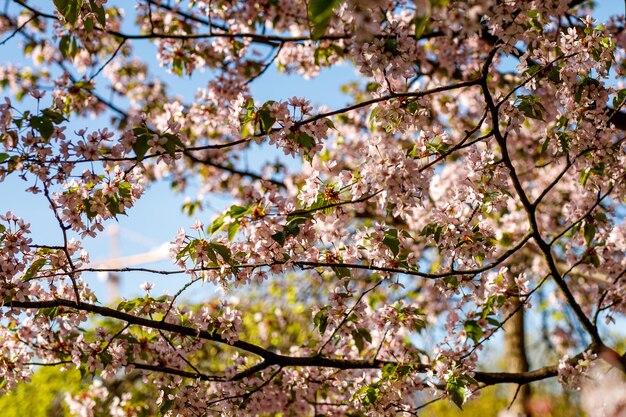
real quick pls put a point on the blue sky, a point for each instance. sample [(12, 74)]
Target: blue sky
[(152, 222)]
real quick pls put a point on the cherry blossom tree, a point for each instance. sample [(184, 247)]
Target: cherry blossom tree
[(478, 174)]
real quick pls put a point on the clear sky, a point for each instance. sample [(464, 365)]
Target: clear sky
[(157, 216)]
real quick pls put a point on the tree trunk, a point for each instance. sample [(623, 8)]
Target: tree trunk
[(516, 360)]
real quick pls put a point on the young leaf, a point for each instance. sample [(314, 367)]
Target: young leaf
[(217, 225), (320, 320), (223, 250), (33, 269), (43, 125), (456, 390), (320, 12), (279, 237), (233, 228), (140, 147), (391, 241), (99, 12), (589, 232), (473, 330), (69, 9)]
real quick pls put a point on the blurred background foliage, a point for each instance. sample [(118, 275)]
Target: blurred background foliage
[(278, 318)]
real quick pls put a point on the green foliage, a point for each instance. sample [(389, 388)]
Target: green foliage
[(458, 388), (390, 374), (143, 136), (234, 213), (422, 17), (68, 46), (490, 401), (69, 9), (45, 122), (34, 268), (530, 106), (320, 12), (43, 396)]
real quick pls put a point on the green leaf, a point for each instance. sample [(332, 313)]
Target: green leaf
[(434, 230), (140, 147), (618, 100), (361, 336), (418, 324), (389, 372), (279, 237), (246, 118), (341, 271), (265, 119), (456, 390), (544, 146), (303, 139), (404, 370), (329, 123), (65, 45), (358, 340), (531, 107), (299, 213), (99, 12), (223, 250), (69, 9), (583, 85), (532, 70), (4, 157), (293, 227), (584, 176), (320, 320), (212, 256), (493, 322), (422, 17), (420, 25), (238, 211), (184, 251), (106, 358), (173, 143), (2, 228), (86, 85), (372, 394), (33, 269), (589, 232), (473, 330), (595, 259), (190, 207), (113, 204), (391, 241), (217, 225), (88, 23), (320, 12), (43, 125), (165, 407), (507, 239), (177, 66), (51, 312), (372, 118), (233, 229), (125, 189), (54, 116), (90, 214)]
